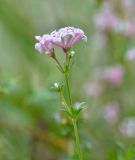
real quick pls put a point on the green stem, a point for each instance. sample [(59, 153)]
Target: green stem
[(65, 103), (77, 140), (68, 89), (69, 106), (73, 120), (59, 64)]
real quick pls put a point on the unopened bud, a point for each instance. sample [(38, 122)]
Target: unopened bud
[(72, 53), (57, 87)]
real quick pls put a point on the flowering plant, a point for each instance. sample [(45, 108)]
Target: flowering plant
[(64, 38)]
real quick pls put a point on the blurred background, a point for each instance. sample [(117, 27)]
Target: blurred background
[(32, 125)]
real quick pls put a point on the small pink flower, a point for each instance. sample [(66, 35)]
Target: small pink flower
[(44, 44), (130, 55), (67, 37), (111, 111), (113, 75)]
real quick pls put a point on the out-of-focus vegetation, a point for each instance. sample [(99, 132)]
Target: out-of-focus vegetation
[(32, 125)]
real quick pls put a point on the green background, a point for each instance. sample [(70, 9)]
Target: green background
[(32, 124)]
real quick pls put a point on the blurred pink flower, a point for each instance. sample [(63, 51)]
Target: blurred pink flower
[(66, 37), (125, 28), (127, 127), (129, 29), (106, 19), (113, 75), (44, 44), (93, 88), (111, 112), (130, 55), (128, 5)]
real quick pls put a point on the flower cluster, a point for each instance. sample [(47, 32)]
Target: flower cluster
[(63, 38)]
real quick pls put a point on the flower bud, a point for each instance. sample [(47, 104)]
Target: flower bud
[(57, 87), (72, 53)]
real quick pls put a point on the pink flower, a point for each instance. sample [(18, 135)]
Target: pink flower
[(130, 55), (63, 38), (111, 111), (113, 75), (44, 44), (67, 37)]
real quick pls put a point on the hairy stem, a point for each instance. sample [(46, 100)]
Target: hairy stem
[(59, 64)]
